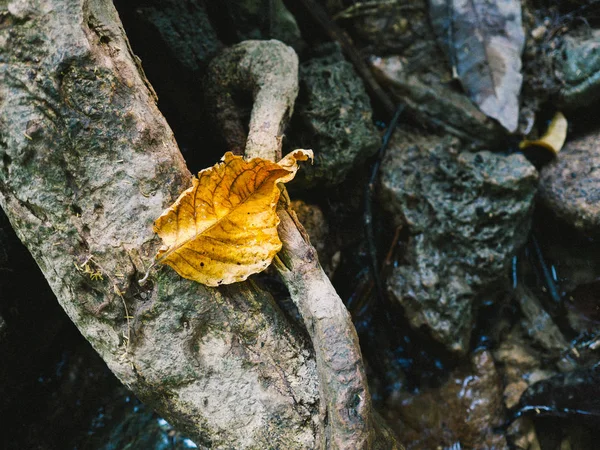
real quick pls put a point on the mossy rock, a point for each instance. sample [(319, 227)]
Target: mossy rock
[(333, 117)]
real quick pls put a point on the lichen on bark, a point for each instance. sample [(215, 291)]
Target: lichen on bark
[(87, 164)]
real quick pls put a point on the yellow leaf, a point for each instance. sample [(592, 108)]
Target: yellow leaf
[(224, 228), (555, 135)]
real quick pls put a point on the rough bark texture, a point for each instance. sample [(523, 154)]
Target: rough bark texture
[(346, 406), (86, 164), (269, 71), (263, 69), (343, 384)]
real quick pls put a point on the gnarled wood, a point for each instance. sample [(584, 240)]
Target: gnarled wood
[(268, 70), (87, 163), (346, 411)]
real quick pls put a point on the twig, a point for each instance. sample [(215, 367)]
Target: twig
[(390, 253), (342, 379), (337, 34), (147, 274), (368, 214), (552, 289)]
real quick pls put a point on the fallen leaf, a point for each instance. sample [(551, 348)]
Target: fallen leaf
[(555, 135), (224, 228), (574, 395), (484, 41)]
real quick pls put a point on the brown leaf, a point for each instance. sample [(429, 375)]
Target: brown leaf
[(224, 228), (484, 41)]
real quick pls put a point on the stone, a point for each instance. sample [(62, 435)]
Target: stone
[(333, 117), (467, 215), (539, 323), (578, 69), (465, 409), (433, 103), (570, 185), (519, 365), (256, 19)]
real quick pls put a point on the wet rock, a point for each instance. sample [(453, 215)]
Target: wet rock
[(433, 103), (539, 323), (464, 410), (522, 436), (570, 185), (467, 214), (575, 394), (519, 366), (578, 68), (333, 117)]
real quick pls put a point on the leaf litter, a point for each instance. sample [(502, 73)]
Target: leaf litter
[(484, 42)]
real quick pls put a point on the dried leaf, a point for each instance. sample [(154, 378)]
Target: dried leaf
[(484, 41), (555, 135), (224, 228), (573, 395)]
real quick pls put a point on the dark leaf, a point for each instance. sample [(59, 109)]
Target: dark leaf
[(572, 395), (484, 41)]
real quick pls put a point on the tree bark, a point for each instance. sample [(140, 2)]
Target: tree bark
[(268, 70), (87, 163)]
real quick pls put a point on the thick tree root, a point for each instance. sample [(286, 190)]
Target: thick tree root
[(268, 70), (87, 163)]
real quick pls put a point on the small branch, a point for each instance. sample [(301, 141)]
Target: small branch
[(343, 383)]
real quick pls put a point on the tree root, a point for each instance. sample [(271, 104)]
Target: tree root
[(346, 403), (87, 163), (269, 71)]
